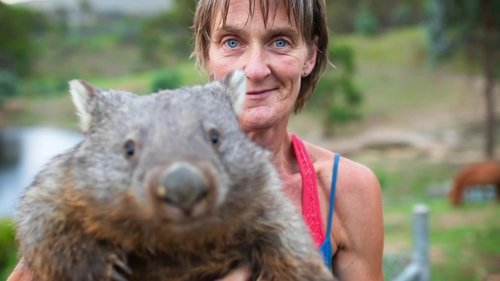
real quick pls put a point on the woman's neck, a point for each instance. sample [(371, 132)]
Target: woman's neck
[(278, 142)]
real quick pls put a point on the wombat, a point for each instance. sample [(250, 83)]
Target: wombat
[(163, 187)]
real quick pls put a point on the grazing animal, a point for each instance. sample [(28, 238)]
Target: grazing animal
[(163, 187), (478, 174)]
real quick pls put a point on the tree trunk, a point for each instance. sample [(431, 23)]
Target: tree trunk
[(489, 148), (489, 76)]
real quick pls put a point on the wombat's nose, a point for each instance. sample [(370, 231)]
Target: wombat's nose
[(183, 185)]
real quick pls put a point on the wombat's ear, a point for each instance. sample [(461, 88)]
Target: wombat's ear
[(237, 88), (83, 94)]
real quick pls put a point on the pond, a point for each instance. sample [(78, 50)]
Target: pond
[(23, 152)]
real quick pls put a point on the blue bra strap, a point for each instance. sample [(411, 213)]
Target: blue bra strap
[(332, 194), (326, 246)]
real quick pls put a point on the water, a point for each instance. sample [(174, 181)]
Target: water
[(23, 152)]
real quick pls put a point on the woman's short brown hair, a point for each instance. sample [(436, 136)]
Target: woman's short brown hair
[(309, 16)]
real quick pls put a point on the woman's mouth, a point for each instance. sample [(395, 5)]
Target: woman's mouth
[(257, 93)]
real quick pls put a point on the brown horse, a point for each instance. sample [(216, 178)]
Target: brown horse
[(478, 174)]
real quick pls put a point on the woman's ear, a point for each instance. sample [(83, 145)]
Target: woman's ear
[(311, 59)]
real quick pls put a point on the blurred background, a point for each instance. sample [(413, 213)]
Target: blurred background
[(414, 95)]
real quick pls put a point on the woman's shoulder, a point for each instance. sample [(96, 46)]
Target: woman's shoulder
[(353, 178)]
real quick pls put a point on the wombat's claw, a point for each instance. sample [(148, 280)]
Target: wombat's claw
[(116, 276), (119, 269)]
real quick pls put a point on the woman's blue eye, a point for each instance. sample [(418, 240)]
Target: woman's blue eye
[(232, 43), (280, 43)]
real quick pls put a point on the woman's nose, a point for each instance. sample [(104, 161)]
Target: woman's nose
[(256, 64)]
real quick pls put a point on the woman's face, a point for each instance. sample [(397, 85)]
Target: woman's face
[(274, 58)]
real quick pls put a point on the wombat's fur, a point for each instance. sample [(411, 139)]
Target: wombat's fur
[(163, 187)]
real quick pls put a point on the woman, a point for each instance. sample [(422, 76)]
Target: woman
[(282, 46)]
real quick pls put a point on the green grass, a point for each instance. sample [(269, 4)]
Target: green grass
[(465, 243), (406, 180), (403, 47), (469, 245), (396, 80)]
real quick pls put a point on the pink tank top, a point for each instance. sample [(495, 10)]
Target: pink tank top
[(310, 201)]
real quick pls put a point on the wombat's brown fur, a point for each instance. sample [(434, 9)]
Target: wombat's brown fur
[(163, 187)]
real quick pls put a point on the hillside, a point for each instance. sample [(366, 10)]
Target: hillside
[(437, 112)]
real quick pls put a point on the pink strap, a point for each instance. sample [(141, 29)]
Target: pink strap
[(310, 200)]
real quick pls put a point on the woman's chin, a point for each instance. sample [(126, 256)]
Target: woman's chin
[(257, 118)]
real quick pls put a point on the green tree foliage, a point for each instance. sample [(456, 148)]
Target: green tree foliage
[(8, 252), (60, 20), (337, 98), (18, 48), (344, 15), (168, 36), (8, 85), (366, 22), (165, 79), (472, 28)]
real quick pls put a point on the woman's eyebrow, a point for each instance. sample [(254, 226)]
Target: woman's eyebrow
[(272, 32), (284, 31), (231, 29)]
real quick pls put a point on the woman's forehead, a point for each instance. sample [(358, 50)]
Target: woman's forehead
[(238, 13)]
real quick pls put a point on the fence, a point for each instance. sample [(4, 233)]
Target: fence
[(415, 266)]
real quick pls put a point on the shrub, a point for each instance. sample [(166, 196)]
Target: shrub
[(366, 22), (8, 251), (166, 79), (337, 98), (8, 85)]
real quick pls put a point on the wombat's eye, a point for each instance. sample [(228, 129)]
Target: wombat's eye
[(129, 148), (214, 136)]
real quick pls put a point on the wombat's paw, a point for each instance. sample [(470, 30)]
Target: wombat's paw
[(117, 269)]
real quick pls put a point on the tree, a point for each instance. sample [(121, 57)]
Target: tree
[(86, 15), (19, 27), (344, 14), (336, 97), (168, 36), (471, 27)]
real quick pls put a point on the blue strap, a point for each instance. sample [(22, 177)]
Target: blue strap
[(326, 246)]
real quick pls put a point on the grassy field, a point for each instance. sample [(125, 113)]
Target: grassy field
[(401, 93)]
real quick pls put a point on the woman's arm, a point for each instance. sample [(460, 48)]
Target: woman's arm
[(361, 237)]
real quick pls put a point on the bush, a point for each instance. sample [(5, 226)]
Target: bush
[(8, 85), (336, 97), (366, 22), (167, 38), (166, 79), (21, 26), (8, 251)]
